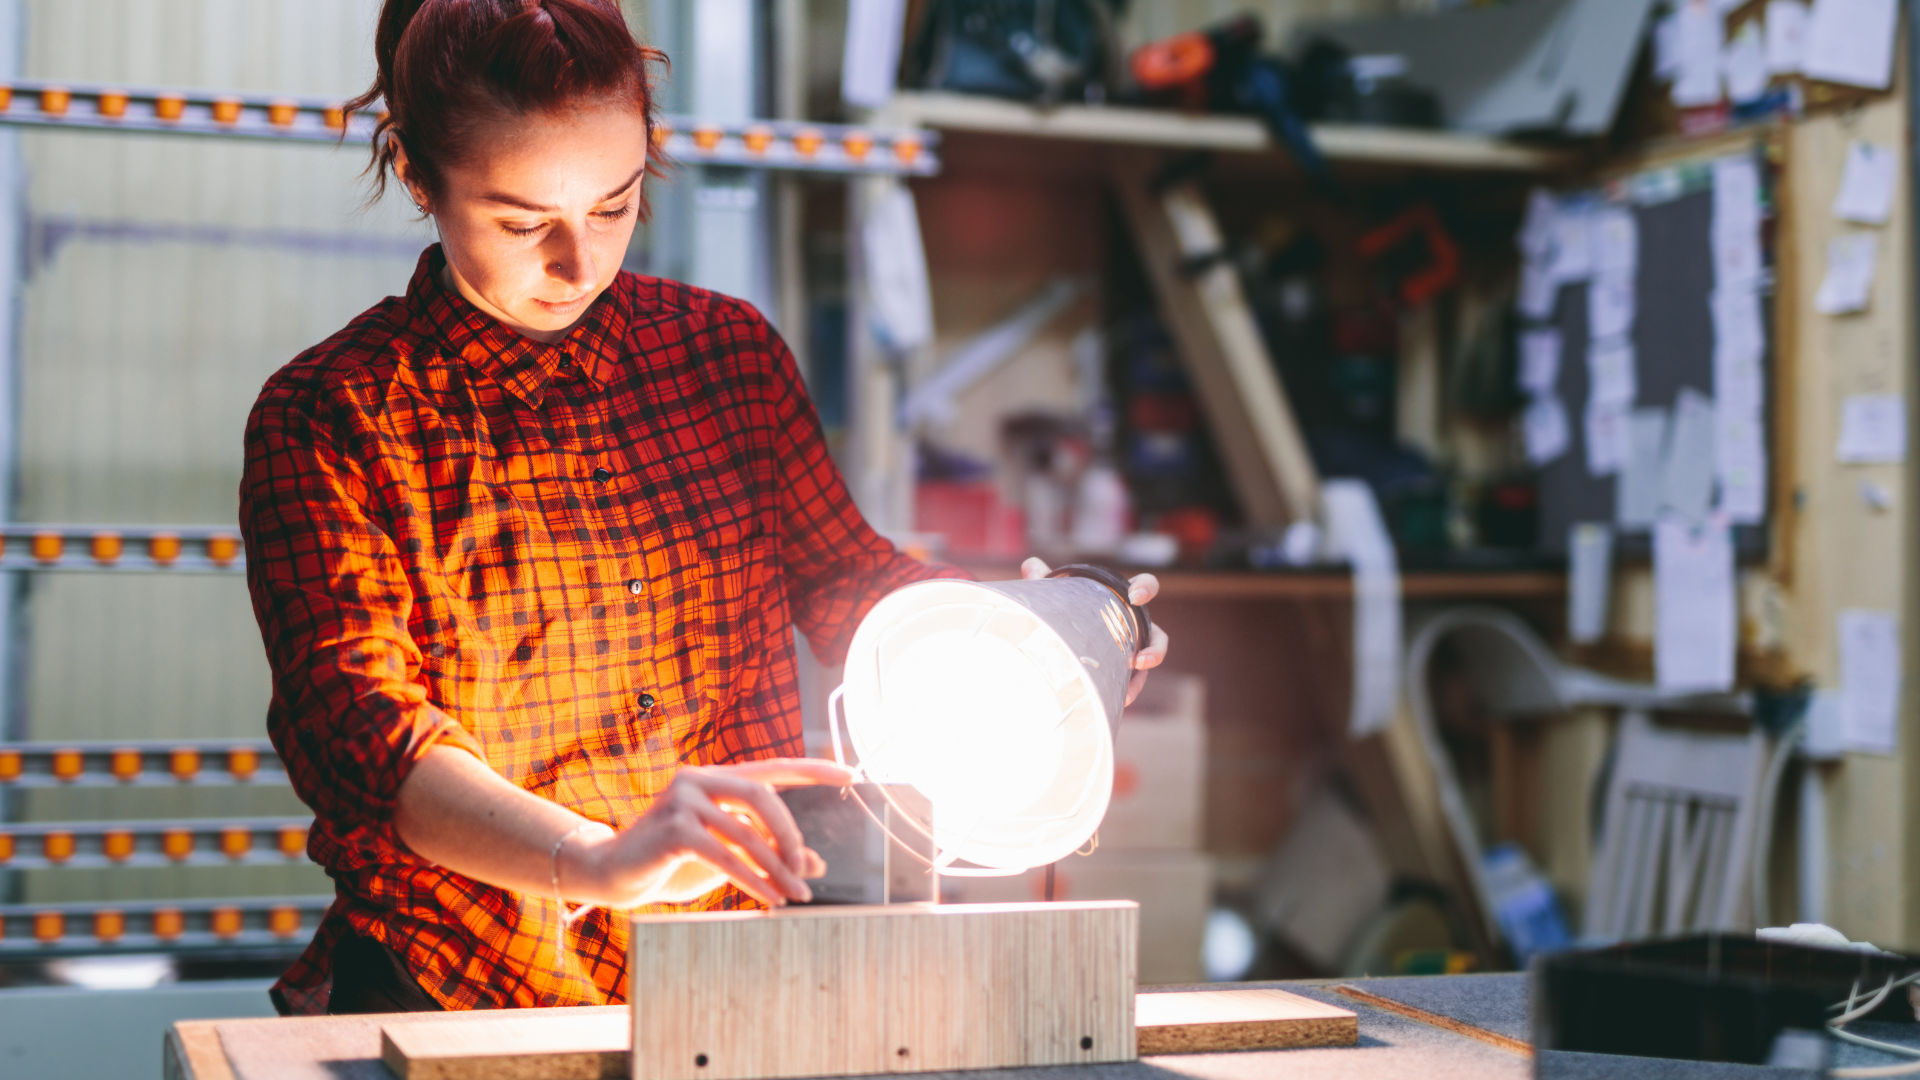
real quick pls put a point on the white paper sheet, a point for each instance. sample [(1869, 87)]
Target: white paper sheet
[(1869, 680), (1607, 437), (1745, 64), (1537, 230), (1544, 426), (1356, 532), (1572, 245), (1694, 611), (1848, 286), (1690, 467), (1538, 289), (1589, 581), (1851, 41), (1539, 361), (1786, 35), (1666, 48), (1610, 372), (871, 58), (1738, 345), (1643, 479), (1610, 306), (1735, 232), (1740, 458), (1698, 38), (1873, 430), (1866, 184), (1616, 242)]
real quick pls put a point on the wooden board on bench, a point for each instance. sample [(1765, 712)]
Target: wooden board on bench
[(1206, 1021)]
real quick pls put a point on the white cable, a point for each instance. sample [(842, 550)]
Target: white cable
[(1769, 795), (1861, 1010)]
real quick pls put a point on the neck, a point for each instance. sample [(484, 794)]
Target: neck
[(451, 279)]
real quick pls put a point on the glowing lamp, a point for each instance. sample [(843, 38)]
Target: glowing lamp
[(998, 703)]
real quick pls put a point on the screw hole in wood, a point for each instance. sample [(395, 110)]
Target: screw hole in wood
[(1086, 1042), (700, 1061), (902, 1051)]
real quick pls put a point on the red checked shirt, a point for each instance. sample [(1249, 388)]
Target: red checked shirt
[(582, 562)]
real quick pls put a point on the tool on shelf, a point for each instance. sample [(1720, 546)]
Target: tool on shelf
[(765, 144)]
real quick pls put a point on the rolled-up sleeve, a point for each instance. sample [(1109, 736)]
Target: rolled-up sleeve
[(837, 566), (349, 715)]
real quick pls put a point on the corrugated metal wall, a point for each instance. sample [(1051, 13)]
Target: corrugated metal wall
[(167, 278)]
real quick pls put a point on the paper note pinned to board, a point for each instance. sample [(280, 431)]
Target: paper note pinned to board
[(1869, 680), (1740, 459), (1642, 482), (1873, 430), (1786, 35), (1697, 38), (1694, 617), (1616, 242), (1610, 306), (1539, 361), (1607, 437), (1848, 286), (1689, 468), (1544, 427), (1611, 379), (1866, 184), (1745, 64), (1851, 42)]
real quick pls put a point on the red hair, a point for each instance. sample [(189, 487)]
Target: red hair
[(445, 68)]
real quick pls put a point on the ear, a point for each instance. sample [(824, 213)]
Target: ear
[(404, 172)]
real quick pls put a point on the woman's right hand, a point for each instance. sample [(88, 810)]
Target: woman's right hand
[(714, 824)]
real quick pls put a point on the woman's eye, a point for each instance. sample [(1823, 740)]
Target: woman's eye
[(614, 215), (518, 231)]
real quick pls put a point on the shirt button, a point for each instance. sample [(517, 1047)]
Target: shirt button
[(636, 586), (645, 700), (602, 475)]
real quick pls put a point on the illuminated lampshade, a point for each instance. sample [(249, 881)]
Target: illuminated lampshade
[(997, 702)]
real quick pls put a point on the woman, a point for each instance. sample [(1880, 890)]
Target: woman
[(527, 547)]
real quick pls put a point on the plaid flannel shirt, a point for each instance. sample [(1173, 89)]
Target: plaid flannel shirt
[(581, 562)]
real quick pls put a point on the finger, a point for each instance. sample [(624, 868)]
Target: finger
[(738, 793), (1142, 589), (793, 772), (816, 866), (1034, 568), (747, 844), (703, 845), (1135, 685), (1154, 654)]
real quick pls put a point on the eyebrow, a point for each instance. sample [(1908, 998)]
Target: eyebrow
[(509, 200)]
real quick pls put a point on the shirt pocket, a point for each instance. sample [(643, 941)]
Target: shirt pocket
[(737, 578)]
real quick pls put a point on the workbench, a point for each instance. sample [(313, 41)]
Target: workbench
[(1470, 1027)]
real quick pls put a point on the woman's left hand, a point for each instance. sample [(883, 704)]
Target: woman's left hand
[(1140, 592)]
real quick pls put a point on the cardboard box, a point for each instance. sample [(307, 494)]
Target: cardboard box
[(1173, 888), (1160, 763)]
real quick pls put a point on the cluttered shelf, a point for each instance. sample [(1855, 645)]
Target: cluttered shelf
[(1171, 129), (1332, 583)]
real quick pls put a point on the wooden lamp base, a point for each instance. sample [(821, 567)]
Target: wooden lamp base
[(837, 991)]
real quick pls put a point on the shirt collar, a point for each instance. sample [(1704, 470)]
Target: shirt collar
[(521, 365)]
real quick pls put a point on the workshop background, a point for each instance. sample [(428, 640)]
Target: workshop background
[(1511, 396)]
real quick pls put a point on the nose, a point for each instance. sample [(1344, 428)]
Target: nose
[(570, 258)]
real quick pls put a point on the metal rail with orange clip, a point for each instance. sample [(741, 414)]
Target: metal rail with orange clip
[(42, 930), (763, 144), (137, 548), (141, 763), (194, 842)]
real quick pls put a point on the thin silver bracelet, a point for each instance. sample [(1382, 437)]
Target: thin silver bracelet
[(567, 918)]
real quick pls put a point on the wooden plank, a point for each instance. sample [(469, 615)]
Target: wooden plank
[(1212, 1020), (1208, 313), (192, 1051), (1491, 1038), (1201, 131), (907, 988), (545, 1045)]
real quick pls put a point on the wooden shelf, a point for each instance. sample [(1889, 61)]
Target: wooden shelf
[(1168, 129), (1176, 584)]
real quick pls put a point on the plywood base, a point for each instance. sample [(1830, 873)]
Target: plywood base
[(1207, 1021), (905, 988), (542, 1044)]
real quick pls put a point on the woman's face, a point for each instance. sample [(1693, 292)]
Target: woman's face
[(535, 224)]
